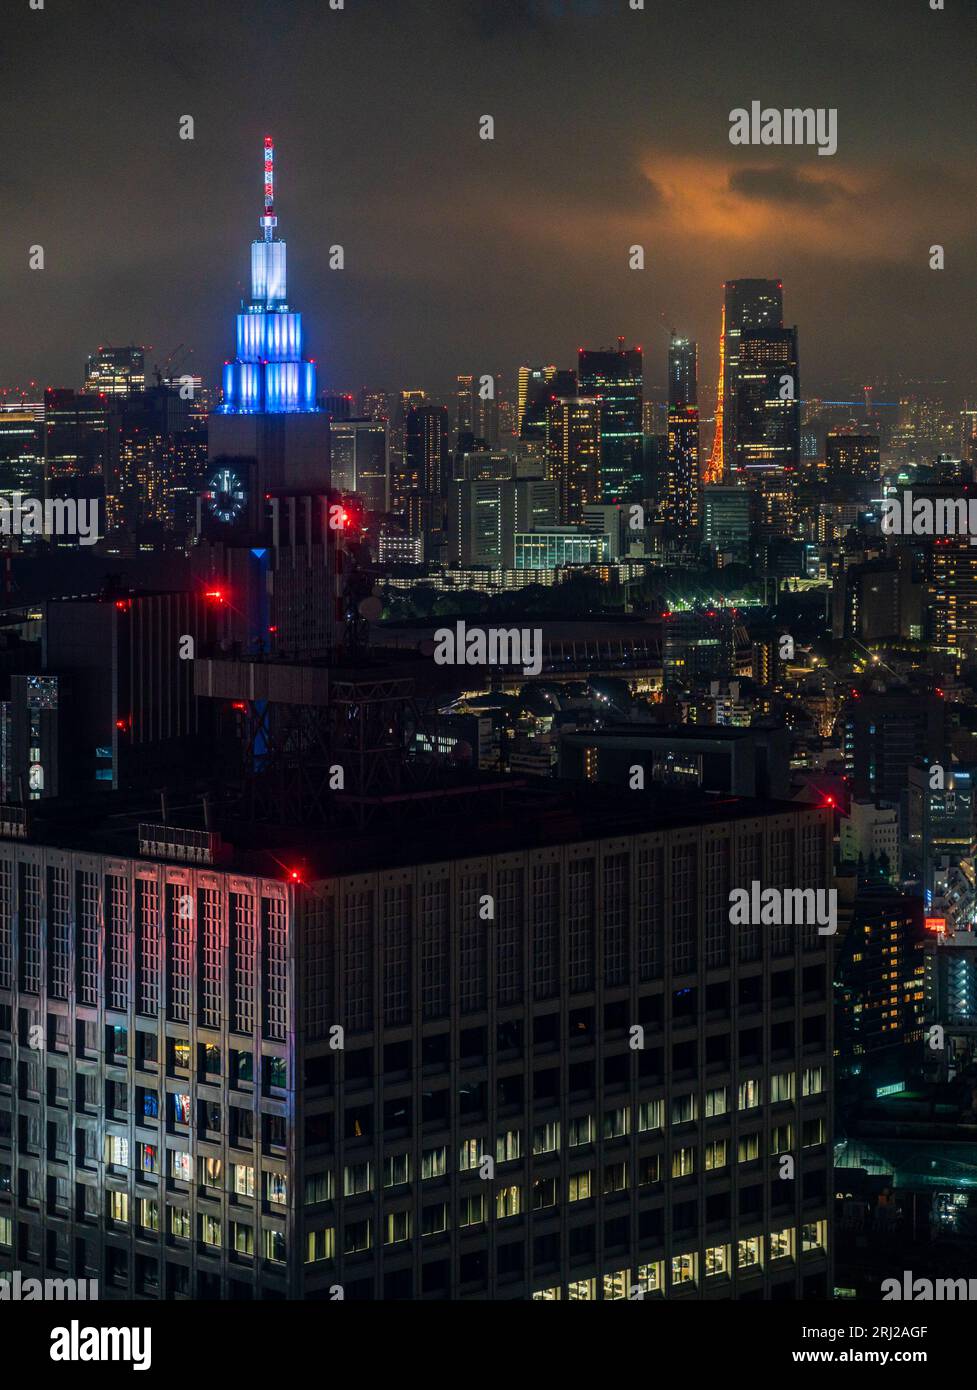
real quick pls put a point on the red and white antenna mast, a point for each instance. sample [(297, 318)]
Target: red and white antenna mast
[(269, 221)]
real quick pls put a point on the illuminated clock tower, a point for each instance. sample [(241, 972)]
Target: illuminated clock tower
[(268, 434)]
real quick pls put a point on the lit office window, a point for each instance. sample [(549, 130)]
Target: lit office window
[(273, 1246), (683, 1162), (750, 1094), (212, 1172), (748, 1147), (716, 1154), (508, 1201), (148, 1214), (781, 1087), (812, 1081), (582, 1290), (117, 1151), (434, 1162), (617, 1284), (180, 1223), (651, 1277), (398, 1227), (782, 1244), (814, 1236), (748, 1252), (717, 1260), (684, 1269), (320, 1245), (508, 1146), (242, 1178), (546, 1138), (242, 1238), (119, 1207), (547, 1295), (469, 1155), (210, 1230), (717, 1102), (580, 1186)]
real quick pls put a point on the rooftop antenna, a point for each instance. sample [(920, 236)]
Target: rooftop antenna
[(269, 221)]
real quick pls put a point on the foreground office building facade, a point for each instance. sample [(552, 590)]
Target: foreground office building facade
[(551, 1072)]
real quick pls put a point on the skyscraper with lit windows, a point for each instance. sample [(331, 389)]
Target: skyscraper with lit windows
[(615, 378)]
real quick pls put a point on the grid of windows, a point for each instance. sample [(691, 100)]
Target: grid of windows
[(472, 937), (580, 923), (211, 958), (685, 890), (396, 952), (359, 959), (546, 929), (30, 928), (179, 914), (117, 945), (649, 911), (6, 924), (434, 947), (716, 894), (59, 933), (616, 904), (243, 949), (148, 945), (317, 976), (88, 915), (275, 913), (509, 935), (751, 870)]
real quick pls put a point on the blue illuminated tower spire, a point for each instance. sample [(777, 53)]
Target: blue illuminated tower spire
[(270, 375)]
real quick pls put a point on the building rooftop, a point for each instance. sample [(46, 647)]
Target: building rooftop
[(467, 820)]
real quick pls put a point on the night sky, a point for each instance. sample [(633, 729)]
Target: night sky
[(464, 255)]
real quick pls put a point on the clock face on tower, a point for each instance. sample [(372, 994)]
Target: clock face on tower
[(226, 495)]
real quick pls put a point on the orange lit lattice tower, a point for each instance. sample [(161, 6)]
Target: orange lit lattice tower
[(714, 471)]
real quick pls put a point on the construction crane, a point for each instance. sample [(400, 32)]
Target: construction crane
[(169, 362)]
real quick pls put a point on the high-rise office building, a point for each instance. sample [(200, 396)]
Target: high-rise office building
[(191, 1129), (726, 521), (532, 389), (679, 504), (747, 305), (852, 456), (573, 453), (338, 405), (360, 459), (884, 734), (158, 452), (616, 379), (767, 428), (426, 451), (115, 372)]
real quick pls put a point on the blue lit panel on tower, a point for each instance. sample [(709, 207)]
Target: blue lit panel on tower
[(250, 337), (283, 337), (268, 272), (268, 375)]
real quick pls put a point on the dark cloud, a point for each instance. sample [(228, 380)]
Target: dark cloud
[(785, 186)]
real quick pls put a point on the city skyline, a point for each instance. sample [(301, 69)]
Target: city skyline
[(547, 222)]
